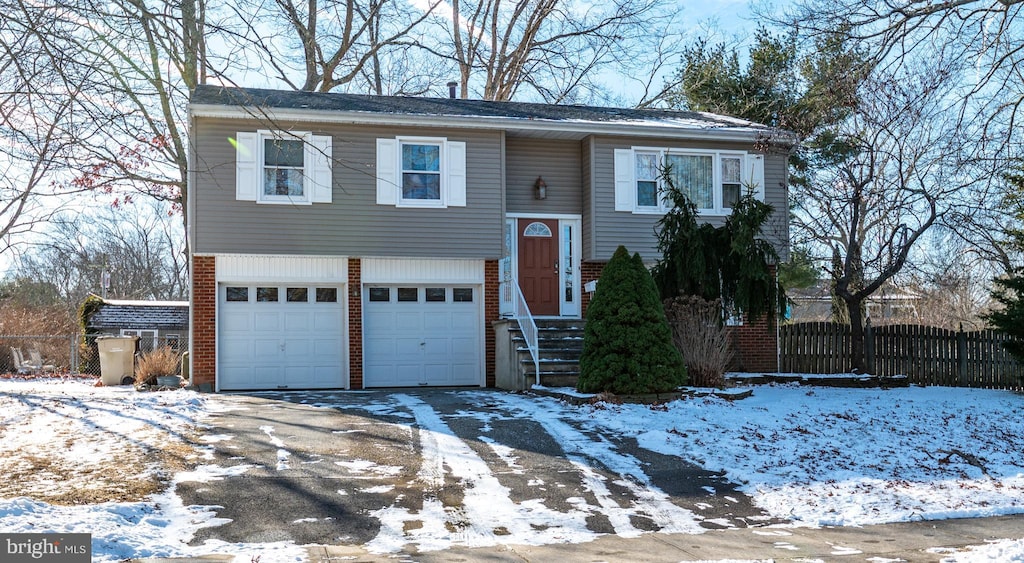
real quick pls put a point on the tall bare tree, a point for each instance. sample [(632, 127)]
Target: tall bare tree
[(323, 45), (127, 68), (37, 130), (140, 246), (901, 172), (556, 48)]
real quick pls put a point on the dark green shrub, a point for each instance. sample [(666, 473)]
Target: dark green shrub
[(627, 343)]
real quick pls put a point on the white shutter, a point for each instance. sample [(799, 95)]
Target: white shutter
[(456, 173), (387, 171), (754, 174), (318, 153), (625, 187), (247, 166)]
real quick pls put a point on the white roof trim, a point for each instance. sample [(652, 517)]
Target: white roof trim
[(144, 303), (671, 128)]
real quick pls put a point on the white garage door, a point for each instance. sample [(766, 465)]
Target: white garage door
[(422, 336), (276, 336)]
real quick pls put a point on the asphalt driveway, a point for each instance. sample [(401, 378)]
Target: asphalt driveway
[(421, 470)]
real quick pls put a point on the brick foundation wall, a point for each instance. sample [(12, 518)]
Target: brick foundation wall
[(355, 323), (204, 320), (755, 345), (589, 271), (492, 312)]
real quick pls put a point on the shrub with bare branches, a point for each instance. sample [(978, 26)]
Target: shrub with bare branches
[(698, 332), (160, 362)]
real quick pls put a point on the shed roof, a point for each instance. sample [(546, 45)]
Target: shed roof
[(159, 315)]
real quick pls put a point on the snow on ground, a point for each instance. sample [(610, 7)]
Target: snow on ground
[(98, 460), (830, 456), (815, 456)]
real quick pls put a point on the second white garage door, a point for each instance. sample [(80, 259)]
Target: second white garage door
[(420, 335)]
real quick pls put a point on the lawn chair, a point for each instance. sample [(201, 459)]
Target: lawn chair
[(21, 365), (36, 362)]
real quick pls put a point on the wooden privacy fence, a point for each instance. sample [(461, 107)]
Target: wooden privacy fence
[(927, 355)]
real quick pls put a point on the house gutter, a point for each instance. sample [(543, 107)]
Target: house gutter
[(582, 128)]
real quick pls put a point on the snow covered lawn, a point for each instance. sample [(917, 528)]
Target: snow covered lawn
[(827, 456), (106, 461)]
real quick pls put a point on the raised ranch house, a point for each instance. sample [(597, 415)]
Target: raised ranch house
[(347, 241)]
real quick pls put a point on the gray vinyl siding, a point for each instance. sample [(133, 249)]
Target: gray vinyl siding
[(557, 161), (637, 231), (587, 223), (353, 224)]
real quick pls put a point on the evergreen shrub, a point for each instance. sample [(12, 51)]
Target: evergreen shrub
[(627, 343)]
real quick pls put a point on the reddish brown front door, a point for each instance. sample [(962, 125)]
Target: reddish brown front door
[(538, 265)]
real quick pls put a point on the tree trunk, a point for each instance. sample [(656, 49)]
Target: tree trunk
[(857, 360)]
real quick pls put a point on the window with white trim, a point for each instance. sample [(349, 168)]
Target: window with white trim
[(713, 180), (421, 172), (286, 167)]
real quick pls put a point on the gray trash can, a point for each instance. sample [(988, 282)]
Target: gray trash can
[(117, 359)]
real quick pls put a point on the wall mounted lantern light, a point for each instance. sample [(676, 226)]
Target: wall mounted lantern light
[(541, 188)]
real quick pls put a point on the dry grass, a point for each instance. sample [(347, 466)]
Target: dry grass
[(159, 362)]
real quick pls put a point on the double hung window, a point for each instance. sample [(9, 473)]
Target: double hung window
[(285, 167), (421, 172), (713, 180)]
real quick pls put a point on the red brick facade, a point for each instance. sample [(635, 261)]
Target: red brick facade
[(355, 324), (589, 271), (492, 312), (204, 320), (755, 345)]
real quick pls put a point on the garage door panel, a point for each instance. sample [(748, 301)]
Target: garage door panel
[(437, 373), (267, 322), (327, 322), (408, 321), (464, 319), (280, 344), (436, 342), (298, 321), (297, 350), (405, 347), (439, 322), (379, 347), (436, 347), (235, 322)]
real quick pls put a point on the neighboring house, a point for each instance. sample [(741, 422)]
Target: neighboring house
[(888, 305), (156, 323), (346, 241)]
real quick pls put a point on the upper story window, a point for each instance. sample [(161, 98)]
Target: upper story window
[(713, 180), (421, 172), (284, 168), (287, 167)]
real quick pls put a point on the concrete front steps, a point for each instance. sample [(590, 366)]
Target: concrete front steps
[(560, 342)]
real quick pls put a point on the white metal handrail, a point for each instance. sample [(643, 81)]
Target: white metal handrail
[(528, 326)]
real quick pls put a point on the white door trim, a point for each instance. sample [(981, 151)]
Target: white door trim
[(574, 222)]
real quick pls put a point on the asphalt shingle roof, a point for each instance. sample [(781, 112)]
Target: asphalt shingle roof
[(157, 315), (398, 105)]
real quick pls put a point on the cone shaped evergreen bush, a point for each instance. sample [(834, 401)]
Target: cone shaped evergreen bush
[(627, 342)]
